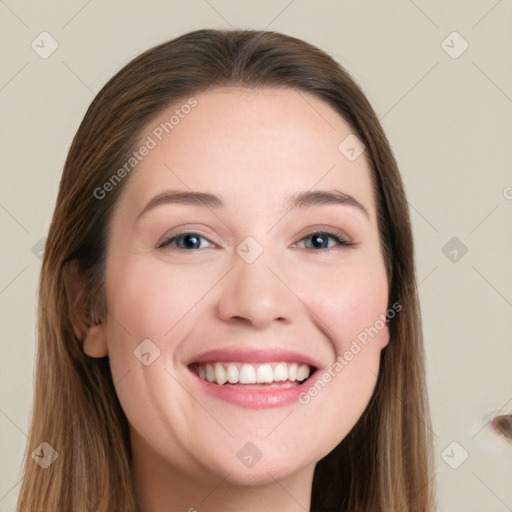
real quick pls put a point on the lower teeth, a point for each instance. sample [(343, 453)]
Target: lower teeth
[(263, 384)]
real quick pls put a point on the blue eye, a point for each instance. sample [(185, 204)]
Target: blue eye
[(320, 240), (186, 241), (191, 241)]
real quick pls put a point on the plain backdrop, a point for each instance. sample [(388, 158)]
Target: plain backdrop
[(439, 75)]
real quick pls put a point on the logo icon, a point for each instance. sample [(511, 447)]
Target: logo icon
[(249, 250), (351, 147), (454, 249), (454, 45), (38, 248), (44, 45), (249, 455), (146, 352), (44, 455), (454, 455)]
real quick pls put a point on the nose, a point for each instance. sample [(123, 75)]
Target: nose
[(256, 294)]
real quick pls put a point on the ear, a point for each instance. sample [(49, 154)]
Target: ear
[(87, 325), (384, 336)]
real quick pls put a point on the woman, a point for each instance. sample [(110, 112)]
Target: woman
[(228, 315)]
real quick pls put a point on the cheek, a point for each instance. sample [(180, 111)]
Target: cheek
[(353, 304), (143, 305), (148, 299)]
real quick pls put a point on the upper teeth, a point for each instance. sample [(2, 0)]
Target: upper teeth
[(245, 373)]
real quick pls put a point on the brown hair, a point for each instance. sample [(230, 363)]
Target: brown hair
[(384, 462)]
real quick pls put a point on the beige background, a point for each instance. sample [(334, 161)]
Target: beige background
[(449, 122)]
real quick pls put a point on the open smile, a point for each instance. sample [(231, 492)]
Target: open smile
[(253, 379)]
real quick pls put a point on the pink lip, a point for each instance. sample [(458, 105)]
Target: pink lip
[(252, 355), (253, 398)]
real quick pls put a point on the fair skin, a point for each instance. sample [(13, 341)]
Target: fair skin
[(253, 149)]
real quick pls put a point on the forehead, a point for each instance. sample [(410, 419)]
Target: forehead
[(248, 145)]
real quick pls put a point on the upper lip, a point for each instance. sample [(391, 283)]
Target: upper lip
[(254, 355)]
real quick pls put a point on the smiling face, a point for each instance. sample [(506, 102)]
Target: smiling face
[(247, 281)]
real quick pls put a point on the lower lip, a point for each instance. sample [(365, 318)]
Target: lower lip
[(253, 398)]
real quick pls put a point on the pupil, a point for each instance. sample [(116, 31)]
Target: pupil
[(319, 239), (191, 240)]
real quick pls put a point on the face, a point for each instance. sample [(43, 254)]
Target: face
[(245, 286)]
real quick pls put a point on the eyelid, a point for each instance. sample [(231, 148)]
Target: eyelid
[(210, 230), (329, 230)]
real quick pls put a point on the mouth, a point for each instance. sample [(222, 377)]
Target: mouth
[(253, 377), (256, 380), (263, 375)]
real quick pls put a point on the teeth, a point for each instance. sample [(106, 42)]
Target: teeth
[(210, 376), (302, 372), (247, 374), (244, 373), (220, 374), (281, 373), (232, 374), (264, 373), (292, 372)]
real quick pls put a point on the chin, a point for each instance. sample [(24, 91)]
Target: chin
[(262, 472)]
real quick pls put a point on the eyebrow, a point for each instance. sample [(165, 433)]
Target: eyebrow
[(299, 200)]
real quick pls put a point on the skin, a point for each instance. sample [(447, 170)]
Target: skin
[(253, 148)]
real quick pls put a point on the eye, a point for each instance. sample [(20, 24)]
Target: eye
[(320, 240), (185, 241)]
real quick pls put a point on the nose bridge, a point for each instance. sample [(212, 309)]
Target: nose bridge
[(252, 290)]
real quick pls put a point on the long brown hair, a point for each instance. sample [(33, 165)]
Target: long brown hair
[(384, 463)]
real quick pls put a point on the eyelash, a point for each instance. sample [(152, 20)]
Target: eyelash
[(337, 236)]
